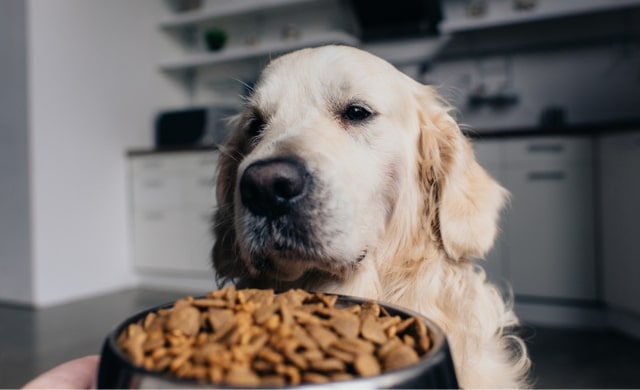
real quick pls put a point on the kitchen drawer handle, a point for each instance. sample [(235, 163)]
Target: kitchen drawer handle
[(546, 175), (546, 148), (152, 164), (206, 182), (154, 183), (154, 216)]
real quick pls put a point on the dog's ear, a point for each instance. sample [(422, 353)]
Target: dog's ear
[(224, 253), (463, 202)]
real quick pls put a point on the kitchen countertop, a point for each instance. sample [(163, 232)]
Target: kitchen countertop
[(576, 129), (579, 129)]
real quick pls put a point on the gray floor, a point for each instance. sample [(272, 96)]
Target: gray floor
[(34, 341)]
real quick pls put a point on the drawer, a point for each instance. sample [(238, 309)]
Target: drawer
[(488, 153), (545, 149), (550, 232), (173, 240), (199, 190), (158, 239), (154, 165), (201, 163), (150, 192), (198, 241)]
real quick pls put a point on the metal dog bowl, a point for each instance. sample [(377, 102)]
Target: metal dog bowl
[(433, 370)]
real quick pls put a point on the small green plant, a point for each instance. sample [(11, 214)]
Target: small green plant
[(215, 38)]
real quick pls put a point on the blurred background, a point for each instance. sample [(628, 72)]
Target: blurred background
[(110, 112)]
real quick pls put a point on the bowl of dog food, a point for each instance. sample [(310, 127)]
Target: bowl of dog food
[(255, 338)]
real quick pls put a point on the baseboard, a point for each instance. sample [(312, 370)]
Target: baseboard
[(177, 282), (561, 315)]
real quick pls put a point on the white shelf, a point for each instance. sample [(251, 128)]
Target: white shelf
[(268, 48), (408, 51), (223, 10), (546, 9)]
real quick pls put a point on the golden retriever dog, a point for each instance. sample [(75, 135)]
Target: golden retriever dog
[(346, 176)]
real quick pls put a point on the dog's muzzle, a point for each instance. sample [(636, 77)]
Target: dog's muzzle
[(270, 187)]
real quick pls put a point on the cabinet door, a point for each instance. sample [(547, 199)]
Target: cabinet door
[(156, 182), (490, 155), (158, 240), (550, 242), (620, 205), (173, 201), (198, 241), (199, 181)]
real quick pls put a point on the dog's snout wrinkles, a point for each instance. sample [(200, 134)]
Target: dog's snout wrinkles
[(269, 187)]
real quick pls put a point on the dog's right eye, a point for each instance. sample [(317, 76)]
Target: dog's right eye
[(356, 113), (256, 126)]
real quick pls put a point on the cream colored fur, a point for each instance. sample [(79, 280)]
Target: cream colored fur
[(403, 187)]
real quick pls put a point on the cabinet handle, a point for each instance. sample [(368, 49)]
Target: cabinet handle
[(208, 182), (545, 148), (546, 175), (154, 183), (151, 164), (208, 163), (155, 216)]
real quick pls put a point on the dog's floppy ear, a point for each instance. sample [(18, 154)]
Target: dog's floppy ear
[(224, 251), (462, 201)]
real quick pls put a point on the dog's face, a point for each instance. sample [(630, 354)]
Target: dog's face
[(328, 144)]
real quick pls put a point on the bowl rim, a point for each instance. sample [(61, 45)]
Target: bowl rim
[(429, 359)]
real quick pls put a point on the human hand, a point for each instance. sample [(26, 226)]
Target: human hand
[(75, 374)]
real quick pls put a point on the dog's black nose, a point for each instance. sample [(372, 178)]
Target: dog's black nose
[(268, 187)]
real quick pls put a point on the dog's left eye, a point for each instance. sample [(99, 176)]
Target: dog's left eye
[(256, 126), (356, 113)]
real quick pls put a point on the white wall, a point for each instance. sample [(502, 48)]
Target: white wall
[(15, 256), (94, 88)]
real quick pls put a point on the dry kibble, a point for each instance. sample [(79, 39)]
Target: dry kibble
[(366, 365), (373, 331), (313, 377), (321, 335), (242, 377), (253, 337), (185, 319), (346, 325), (328, 365), (399, 357)]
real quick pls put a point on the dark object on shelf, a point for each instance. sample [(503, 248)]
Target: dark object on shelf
[(215, 39), (497, 100), (384, 20), (290, 33), (524, 5), (477, 8), (553, 117), (186, 5), (202, 126)]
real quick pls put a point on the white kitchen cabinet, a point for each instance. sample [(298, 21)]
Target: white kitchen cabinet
[(547, 245), (619, 176), (173, 200), (551, 237)]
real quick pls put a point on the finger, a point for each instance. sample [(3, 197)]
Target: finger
[(75, 374)]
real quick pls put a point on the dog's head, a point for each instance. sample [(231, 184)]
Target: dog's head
[(337, 154)]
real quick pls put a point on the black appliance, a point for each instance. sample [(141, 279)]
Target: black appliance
[(193, 127)]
